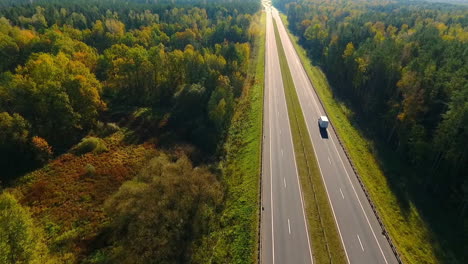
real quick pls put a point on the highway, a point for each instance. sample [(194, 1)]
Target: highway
[(360, 232), (284, 235)]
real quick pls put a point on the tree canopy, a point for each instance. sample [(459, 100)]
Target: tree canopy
[(20, 241), (66, 65), (402, 67), (160, 213)]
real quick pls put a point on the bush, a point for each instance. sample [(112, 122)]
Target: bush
[(158, 216), (99, 257), (90, 170), (105, 129), (90, 144), (65, 240), (43, 152), (21, 241)]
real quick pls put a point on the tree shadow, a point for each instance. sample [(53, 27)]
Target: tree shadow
[(389, 162), (408, 183)]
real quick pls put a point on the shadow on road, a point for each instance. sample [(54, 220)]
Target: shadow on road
[(323, 132)]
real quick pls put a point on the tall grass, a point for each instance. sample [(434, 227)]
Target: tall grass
[(408, 230)]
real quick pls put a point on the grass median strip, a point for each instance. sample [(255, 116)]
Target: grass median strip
[(325, 241), (409, 232)]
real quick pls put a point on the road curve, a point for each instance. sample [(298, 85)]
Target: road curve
[(284, 235), (360, 232)]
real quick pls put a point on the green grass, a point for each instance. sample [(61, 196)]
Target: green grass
[(237, 239), (325, 241), (408, 230)]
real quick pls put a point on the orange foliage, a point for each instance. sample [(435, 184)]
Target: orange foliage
[(25, 36), (63, 194), (42, 146)]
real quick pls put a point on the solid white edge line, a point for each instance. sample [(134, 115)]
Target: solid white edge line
[(295, 166), (297, 59), (326, 189), (346, 171), (360, 204), (271, 173)]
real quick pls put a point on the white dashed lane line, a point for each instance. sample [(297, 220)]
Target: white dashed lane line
[(360, 242)]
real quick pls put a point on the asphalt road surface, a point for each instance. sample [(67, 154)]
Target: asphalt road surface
[(284, 231), (358, 228)]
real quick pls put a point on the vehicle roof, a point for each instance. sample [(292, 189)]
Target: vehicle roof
[(323, 118)]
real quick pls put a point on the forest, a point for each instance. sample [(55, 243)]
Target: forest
[(113, 120), (402, 68)]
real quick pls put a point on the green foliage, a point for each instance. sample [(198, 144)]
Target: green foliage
[(406, 225), (90, 144), (90, 170), (14, 130), (167, 72), (401, 68), (14, 143), (235, 235), (58, 96), (20, 241), (453, 130), (37, 20), (143, 55), (221, 103), (105, 129), (100, 257), (157, 215)]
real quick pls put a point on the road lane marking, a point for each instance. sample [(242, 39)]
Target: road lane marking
[(331, 204), (341, 193), (326, 190), (362, 208), (296, 58), (360, 242), (289, 226), (297, 176), (329, 160), (282, 154), (284, 181), (271, 176), (359, 201)]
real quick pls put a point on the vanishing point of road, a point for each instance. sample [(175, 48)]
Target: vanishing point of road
[(284, 233)]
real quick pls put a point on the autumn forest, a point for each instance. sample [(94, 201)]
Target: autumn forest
[(101, 104), (131, 130), (402, 69)]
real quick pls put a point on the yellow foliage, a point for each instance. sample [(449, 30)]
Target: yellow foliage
[(362, 64), (115, 27), (349, 51), (25, 36)]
